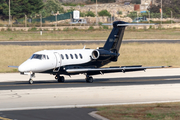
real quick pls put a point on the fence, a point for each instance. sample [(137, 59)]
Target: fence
[(51, 18)]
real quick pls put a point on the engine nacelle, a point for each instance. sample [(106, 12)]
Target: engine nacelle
[(102, 54)]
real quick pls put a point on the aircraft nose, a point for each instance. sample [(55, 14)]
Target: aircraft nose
[(22, 68), (25, 67)]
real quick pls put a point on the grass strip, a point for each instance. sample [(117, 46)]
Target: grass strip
[(159, 111), (130, 54), (87, 35)]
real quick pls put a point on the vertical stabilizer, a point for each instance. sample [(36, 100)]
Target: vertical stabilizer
[(114, 40)]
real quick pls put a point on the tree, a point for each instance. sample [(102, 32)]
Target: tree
[(90, 13), (51, 7), (19, 8), (168, 6), (104, 13)]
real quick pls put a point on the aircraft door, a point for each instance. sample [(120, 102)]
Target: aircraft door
[(58, 62)]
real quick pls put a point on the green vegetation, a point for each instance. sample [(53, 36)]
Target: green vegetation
[(90, 14), (104, 13), (51, 7), (70, 10), (72, 4), (159, 111), (82, 14), (20, 8), (91, 28), (95, 34), (105, 27), (168, 6), (120, 12)]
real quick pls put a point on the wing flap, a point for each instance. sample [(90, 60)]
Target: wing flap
[(93, 71)]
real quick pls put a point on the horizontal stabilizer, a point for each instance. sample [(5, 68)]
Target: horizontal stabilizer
[(134, 24), (130, 24)]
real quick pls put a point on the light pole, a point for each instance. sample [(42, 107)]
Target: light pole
[(96, 14), (25, 21), (9, 14), (171, 16), (161, 12), (149, 16)]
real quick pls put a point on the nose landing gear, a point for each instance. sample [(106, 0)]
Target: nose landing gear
[(31, 76), (31, 81)]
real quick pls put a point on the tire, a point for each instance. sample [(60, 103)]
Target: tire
[(61, 79), (89, 80), (30, 81)]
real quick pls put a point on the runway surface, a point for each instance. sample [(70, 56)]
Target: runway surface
[(75, 42), (99, 82), (47, 97)]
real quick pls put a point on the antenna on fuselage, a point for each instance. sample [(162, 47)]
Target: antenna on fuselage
[(84, 47)]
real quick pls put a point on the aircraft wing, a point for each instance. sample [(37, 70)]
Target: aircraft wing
[(14, 66), (94, 71)]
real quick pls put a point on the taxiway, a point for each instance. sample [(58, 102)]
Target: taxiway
[(83, 42)]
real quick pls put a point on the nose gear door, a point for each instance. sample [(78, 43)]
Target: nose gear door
[(58, 62)]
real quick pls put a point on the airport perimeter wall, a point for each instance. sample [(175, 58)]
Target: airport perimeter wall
[(165, 26)]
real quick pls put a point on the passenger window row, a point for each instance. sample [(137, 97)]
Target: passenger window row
[(71, 56)]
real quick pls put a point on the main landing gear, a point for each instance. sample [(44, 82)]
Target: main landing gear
[(31, 76), (89, 79), (60, 78)]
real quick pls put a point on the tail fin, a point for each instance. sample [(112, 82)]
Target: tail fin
[(114, 40)]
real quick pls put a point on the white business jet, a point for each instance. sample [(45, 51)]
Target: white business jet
[(80, 61)]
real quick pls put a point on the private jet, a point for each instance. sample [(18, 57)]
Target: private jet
[(80, 61)]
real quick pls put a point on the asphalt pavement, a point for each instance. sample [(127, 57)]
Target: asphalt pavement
[(80, 83), (83, 42), (49, 114)]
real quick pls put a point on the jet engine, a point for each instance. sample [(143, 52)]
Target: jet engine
[(102, 54)]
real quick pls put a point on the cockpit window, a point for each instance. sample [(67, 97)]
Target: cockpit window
[(39, 56)]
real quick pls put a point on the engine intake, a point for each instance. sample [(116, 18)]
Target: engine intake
[(95, 54)]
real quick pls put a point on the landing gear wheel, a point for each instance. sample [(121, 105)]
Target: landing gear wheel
[(30, 81), (89, 79), (61, 79)]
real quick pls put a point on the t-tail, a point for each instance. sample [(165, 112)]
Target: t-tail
[(110, 51), (114, 40)]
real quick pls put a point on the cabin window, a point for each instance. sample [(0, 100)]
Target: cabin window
[(67, 56), (39, 56), (71, 56), (43, 57), (80, 55), (62, 56), (76, 56)]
